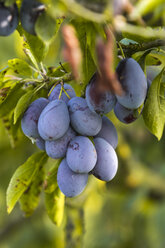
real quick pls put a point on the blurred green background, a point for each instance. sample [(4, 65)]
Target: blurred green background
[(128, 212)]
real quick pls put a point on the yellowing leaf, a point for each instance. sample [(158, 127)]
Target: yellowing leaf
[(51, 178), (11, 100), (19, 66), (22, 178), (55, 206), (30, 198)]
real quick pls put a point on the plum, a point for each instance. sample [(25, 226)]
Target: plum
[(29, 12), (126, 115), (83, 120), (133, 82), (99, 101), (54, 95), (107, 162), (69, 182), (29, 122), (81, 155), (57, 148), (54, 120), (108, 132), (8, 19)]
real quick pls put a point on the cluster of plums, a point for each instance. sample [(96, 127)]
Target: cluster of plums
[(76, 129), (9, 16), (129, 106)]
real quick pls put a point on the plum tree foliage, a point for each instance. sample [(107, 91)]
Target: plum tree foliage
[(62, 108)]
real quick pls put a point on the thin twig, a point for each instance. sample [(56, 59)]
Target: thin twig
[(67, 77)]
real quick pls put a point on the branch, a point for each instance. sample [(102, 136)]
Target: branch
[(133, 48), (66, 78)]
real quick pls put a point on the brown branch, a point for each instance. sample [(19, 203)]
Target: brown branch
[(133, 48)]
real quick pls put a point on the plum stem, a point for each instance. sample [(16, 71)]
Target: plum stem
[(121, 50)]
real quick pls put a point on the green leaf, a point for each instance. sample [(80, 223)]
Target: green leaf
[(127, 42), (9, 2), (142, 59), (2, 73), (26, 100), (84, 32), (154, 108), (22, 105), (160, 55), (37, 47), (145, 6), (30, 55), (23, 177), (11, 100), (30, 198), (59, 71), (46, 27), (55, 206), (51, 178), (11, 129), (3, 93), (21, 67)]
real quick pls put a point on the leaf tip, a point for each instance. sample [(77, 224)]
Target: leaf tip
[(9, 209)]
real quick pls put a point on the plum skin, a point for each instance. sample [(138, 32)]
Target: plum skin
[(133, 82), (54, 95), (40, 143), (83, 120), (29, 122), (29, 12), (54, 120), (58, 148), (81, 155), (8, 19), (107, 162), (108, 132), (101, 102), (126, 115)]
